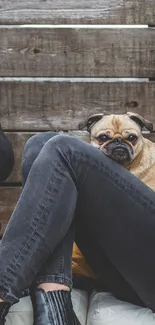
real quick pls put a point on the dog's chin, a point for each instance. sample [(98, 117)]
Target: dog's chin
[(122, 155)]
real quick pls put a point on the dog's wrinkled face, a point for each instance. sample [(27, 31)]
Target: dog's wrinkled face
[(118, 136)]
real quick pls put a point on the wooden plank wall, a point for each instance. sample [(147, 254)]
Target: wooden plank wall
[(77, 52), (54, 75), (77, 12)]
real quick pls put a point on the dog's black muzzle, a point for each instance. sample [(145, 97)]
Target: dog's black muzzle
[(119, 150)]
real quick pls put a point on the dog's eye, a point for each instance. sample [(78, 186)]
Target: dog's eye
[(103, 137), (132, 138)]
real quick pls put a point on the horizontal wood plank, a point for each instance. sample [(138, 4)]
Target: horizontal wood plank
[(8, 199), (39, 106), (76, 52), (18, 140), (77, 12)]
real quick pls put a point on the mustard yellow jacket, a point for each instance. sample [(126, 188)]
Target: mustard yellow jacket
[(79, 264)]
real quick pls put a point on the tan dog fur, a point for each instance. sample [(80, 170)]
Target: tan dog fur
[(121, 126)]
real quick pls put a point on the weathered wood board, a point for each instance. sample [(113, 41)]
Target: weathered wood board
[(8, 198), (77, 52), (77, 12), (39, 106), (18, 140)]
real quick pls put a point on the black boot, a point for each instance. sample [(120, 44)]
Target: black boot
[(53, 308), (4, 308)]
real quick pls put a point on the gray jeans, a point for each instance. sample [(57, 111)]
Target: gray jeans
[(72, 185)]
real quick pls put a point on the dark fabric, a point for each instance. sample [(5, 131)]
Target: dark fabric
[(84, 283), (57, 267), (4, 309), (6, 157), (71, 182)]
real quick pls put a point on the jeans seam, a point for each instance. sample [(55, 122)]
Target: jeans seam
[(61, 263), (57, 278)]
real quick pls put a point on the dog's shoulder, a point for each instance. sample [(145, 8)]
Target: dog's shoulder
[(144, 166), (149, 150)]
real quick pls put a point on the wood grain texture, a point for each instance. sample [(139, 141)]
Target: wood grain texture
[(8, 199), (74, 52), (76, 12), (39, 106), (18, 140)]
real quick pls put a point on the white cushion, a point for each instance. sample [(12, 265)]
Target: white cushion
[(80, 304), (22, 312), (105, 309)]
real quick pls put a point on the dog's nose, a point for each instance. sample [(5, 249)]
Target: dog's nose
[(118, 141)]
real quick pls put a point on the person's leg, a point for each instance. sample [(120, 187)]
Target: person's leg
[(109, 279), (121, 202), (107, 274), (50, 269), (57, 270), (31, 151), (6, 156), (51, 287), (52, 273)]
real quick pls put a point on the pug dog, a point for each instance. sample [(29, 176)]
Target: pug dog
[(120, 137)]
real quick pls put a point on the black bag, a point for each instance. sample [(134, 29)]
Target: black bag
[(6, 156)]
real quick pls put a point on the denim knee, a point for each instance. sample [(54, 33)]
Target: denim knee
[(70, 149), (49, 141), (67, 143), (32, 149)]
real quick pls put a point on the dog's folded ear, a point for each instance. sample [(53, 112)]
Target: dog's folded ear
[(90, 121), (141, 121)]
